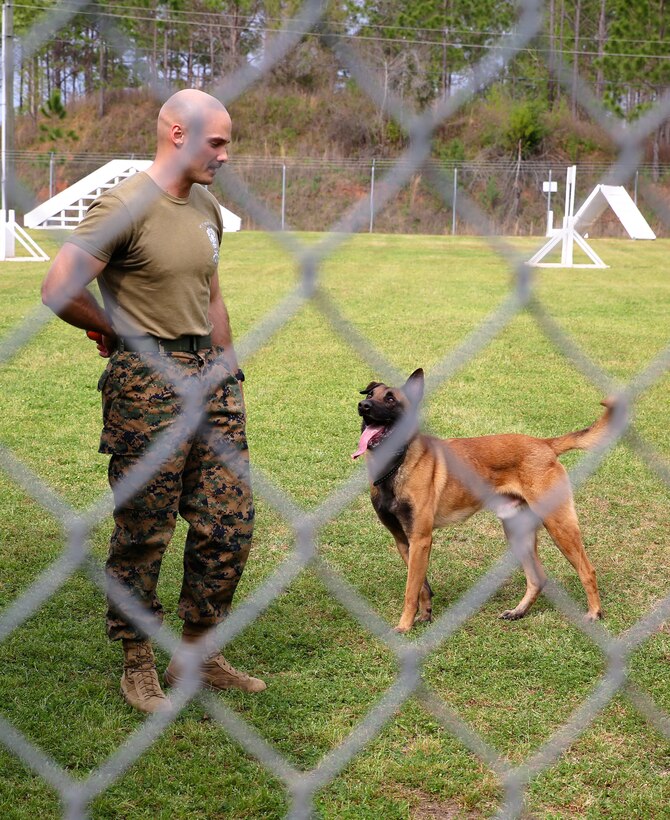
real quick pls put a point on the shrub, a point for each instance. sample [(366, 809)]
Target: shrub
[(452, 151), (491, 194), (525, 128)]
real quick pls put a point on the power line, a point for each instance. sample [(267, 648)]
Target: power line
[(173, 15), (254, 27)]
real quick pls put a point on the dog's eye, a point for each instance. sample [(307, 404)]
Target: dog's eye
[(389, 399)]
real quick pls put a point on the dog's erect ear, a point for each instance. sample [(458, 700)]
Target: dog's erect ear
[(413, 387), (369, 388)]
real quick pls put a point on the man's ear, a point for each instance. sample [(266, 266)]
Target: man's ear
[(177, 133), (369, 388), (413, 387)]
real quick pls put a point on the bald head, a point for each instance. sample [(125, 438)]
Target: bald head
[(189, 108)]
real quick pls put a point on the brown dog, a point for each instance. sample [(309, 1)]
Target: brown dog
[(414, 489)]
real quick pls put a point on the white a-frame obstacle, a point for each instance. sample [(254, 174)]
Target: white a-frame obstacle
[(576, 224)]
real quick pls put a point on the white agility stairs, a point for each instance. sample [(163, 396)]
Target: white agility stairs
[(67, 208), (576, 225)]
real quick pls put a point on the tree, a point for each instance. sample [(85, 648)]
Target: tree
[(635, 59), (427, 46), (54, 113)]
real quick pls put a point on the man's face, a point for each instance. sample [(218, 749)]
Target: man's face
[(206, 146)]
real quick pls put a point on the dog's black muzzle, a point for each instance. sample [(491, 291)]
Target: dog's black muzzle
[(364, 407), (376, 414), (370, 412)]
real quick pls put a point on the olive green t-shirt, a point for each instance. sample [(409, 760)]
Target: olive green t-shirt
[(161, 253)]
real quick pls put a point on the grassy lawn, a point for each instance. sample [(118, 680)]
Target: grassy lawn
[(416, 299)]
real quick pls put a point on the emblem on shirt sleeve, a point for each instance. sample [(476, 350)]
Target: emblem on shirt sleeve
[(213, 237)]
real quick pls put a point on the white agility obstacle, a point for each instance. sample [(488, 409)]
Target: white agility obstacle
[(576, 225), (66, 209), (10, 234)]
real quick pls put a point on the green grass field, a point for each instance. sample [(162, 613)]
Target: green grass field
[(416, 299)]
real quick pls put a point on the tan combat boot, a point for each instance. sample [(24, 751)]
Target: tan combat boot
[(139, 682), (215, 671)]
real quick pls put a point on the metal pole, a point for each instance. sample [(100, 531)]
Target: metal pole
[(637, 173), (8, 226), (3, 114), (372, 195), (283, 196), (51, 174), (6, 229), (549, 198), (8, 127), (453, 203)]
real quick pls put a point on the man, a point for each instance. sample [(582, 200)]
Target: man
[(152, 242)]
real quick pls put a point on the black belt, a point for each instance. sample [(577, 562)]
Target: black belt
[(152, 344)]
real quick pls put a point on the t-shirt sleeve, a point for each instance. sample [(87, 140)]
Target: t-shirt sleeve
[(215, 210), (106, 228), (219, 221)]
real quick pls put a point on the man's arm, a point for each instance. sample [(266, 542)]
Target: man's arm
[(64, 291), (218, 316)]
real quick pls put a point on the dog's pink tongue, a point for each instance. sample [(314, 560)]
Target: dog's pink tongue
[(367, 434)]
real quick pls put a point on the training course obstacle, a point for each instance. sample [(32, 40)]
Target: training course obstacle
[(67, 208), (576, 225)]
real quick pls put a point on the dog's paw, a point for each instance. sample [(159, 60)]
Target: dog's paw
[(401, 630), (426, 618), (592, 617), (510, 615)]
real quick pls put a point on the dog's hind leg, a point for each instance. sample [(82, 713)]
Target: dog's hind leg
[(525, 547), (563, 527)]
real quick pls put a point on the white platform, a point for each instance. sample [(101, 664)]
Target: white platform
[(67, 208)]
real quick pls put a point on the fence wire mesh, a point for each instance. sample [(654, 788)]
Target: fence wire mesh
[(283, 184), (77, 525)]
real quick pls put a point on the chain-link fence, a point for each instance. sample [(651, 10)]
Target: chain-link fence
[(308, 193), (77, 525)]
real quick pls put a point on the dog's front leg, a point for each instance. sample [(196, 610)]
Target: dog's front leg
[(417, 567), (426, 594)]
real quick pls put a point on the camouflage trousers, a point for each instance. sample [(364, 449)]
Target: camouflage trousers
[(174, 426)]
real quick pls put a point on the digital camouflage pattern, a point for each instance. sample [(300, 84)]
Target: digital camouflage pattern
[(205, 479)]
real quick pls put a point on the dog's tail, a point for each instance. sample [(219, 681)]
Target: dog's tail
[(587, 438)]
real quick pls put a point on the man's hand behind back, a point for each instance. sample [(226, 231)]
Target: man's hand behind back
[(104, 345)]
